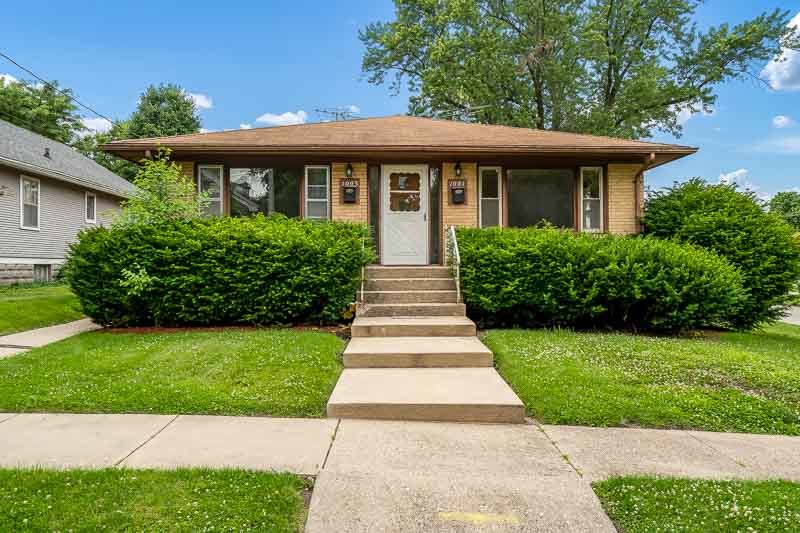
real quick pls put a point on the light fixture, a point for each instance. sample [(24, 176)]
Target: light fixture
[(349, 170), (458, 169)]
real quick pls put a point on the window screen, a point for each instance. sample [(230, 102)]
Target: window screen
[(209, 181), (536, 196)]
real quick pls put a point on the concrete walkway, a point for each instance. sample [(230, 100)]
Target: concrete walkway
[(20, 342), (793, 316), (406, 476)]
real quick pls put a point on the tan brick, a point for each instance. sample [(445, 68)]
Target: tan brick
[(187, 167), (349, 212), (465, 214), (622, 192)]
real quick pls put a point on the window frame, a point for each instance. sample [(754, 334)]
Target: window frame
[(600, 191), (22, 180), (86, 197), (221, 168), (499, 171), (306, 196)]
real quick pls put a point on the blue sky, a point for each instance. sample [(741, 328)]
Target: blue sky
[(278, 61)]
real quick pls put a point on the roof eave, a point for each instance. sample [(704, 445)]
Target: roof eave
[(61, 176)]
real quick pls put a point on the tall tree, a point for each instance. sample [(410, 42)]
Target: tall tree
[(786, 204), (163, 110), (89, 145), (42, 108), (613, 67)]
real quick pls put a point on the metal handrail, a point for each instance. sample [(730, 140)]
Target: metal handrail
[(454, 259), (360, 298)]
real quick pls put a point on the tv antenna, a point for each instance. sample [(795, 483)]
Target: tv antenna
[(467, 112), (338, 113)]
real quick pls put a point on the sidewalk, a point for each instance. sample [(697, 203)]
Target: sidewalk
[(20, 342), (406, 476), (793, 316)]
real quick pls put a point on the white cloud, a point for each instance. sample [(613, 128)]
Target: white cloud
[(782, 121), (8, 78), (685, 113), (97, 125), (783, 72), (244, 126), (739, 178), (284, 119), (779, 145), (206, 130), (201, 101), (354, 108)]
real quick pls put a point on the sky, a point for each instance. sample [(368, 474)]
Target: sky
[(257, 63)]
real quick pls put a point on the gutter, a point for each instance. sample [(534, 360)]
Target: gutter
[(62, 176)]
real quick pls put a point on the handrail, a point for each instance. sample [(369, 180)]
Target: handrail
[(360, 298), (454, 259)]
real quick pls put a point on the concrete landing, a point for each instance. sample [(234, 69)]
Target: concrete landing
[(411, 352), (429, 394)]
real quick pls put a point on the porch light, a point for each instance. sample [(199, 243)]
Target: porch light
[(349, 170), (458, 169)]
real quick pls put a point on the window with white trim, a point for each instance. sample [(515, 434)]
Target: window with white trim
[(317, 193), (591, 199), (90, 208), (29, 202), (209, 181), (491, 204)]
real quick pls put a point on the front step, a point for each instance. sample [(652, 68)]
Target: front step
[(433, 309), (433, 271), (416, 297), (427, 394), (423, 326), (415, 352), (410, 284)]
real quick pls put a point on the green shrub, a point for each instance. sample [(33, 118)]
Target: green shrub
[(735, 225), (252, 270), (549, 277)]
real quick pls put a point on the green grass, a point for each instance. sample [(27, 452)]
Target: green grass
[(743, 382), (147, 500), (35, 306), (232, 372), (653, 505)]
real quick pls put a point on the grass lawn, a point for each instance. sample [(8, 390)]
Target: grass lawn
[(148, 500), (743, 382), (275, 372), (35, 306), (650, 504)]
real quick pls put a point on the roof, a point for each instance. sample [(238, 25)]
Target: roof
[(25, 150), (397, 133)]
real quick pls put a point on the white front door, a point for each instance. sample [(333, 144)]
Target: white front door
[(404, 199)]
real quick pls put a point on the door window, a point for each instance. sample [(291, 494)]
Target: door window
[(404, 192)]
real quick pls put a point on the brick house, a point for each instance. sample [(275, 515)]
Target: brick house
[(410, 178)]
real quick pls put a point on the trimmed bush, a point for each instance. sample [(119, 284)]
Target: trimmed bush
[(252, 270), (549, 277), (735, 225)]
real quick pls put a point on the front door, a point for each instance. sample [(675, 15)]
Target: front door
[(404, 194)]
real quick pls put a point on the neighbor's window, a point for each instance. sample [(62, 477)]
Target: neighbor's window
[(591, 199), (29, 198), (535, 196), (317, 192), (490, 197), (265, 190), (91, 208), (209, 181)]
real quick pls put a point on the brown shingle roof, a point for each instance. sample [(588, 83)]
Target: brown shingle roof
[(397, 133)]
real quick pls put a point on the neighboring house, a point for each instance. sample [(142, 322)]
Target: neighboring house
[(410, 177), (48, 193)]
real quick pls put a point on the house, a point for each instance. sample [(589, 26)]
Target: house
[(48, 193), (412, 177)]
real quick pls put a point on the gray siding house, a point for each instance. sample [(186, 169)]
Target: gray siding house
[(48, 193)]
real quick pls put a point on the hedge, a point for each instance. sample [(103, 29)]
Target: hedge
[(549, 277), (252, 270), (735, 225)]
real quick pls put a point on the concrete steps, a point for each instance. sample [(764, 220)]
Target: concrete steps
[(417, 297), (416, 352), (432, 394), (433, 271), (413, 326), (411, 309), (410, 284)]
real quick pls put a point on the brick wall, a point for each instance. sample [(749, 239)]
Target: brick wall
[(357, 212), (187, 167), (465, 214), (622, 193)]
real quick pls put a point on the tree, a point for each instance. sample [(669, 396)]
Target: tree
[(42, 108), (613, 67), (787, 205), (89, 145), (162, 193), (162, 111)]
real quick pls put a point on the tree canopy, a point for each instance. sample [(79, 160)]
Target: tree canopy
[(611, 67), (42, 108), (787, 206), (163, 110)]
